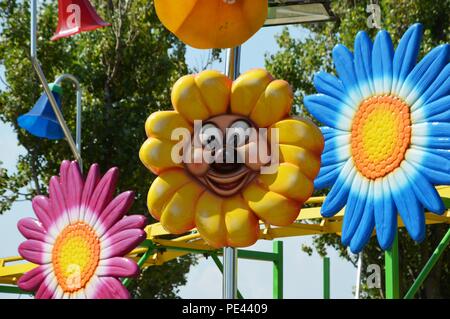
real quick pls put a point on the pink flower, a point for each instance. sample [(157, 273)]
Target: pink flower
[(80, 237)]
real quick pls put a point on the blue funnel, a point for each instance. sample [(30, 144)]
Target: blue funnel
[(41, 121)]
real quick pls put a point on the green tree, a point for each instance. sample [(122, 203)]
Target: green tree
[(126, 72), (297, 61)]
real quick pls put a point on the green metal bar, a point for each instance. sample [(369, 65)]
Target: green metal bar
[(126, 282), (12, 290), (429, 266), (392, 271), (278, 270), (220, 266), (326, 278), (257, 255)]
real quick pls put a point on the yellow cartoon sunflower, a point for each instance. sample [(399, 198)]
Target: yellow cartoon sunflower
[(225, 200)]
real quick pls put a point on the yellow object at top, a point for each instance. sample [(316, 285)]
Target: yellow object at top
[(207, 196), (207, 24)]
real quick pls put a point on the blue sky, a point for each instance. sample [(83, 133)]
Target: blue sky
[(302, 273)]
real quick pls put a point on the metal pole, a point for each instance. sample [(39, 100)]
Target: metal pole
[(43, 80), (392, 271), (429, 266), (326, 278), (278, 270), (78, 138), (358, 275), (230, 253)]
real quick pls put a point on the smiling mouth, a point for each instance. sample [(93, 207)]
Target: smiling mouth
[(227, 179)]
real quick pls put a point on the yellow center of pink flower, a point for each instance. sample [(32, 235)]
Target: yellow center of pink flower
[(75, 256), (381, 134)]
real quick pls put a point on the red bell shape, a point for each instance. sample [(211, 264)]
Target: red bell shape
[(76, 16)]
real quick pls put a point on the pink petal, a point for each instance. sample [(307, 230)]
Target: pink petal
[(103, 194), (41, 207), (72, 186), (58, 203), (63, 175), (31, 228), (117, 267), (89, 187), (121, 243), (114, 288), (48, 288), (31, 280), (128, 222), (114, 211), (35, 251)]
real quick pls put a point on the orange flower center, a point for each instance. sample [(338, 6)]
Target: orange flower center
[(75, 256), (381, 134)]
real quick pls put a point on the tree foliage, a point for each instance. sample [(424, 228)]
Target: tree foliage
[(298, 59), (126, 72)]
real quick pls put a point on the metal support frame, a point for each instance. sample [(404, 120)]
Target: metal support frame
[(43, 80), (429, 265), (392, 271), (358, 275), (326, 278), (232, 66)]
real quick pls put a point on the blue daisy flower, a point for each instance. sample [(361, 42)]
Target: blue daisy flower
[(387, 135)]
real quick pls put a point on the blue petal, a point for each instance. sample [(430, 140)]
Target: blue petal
[(425, 192), (339, 155), (426, 157), (329, 84), (332, 144), (327, 175), (366, 225), (329, 132), (382, 59), (436, 111), (385, 214), (424, 74), (432, 130), (409, 208), (337, 197), (438, 89), (405, 56), (343, 61), (363, 63), (441, 152), (355, 208), (328, 111), (431, 141), (435, 167)]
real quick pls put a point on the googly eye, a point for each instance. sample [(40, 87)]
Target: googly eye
[(238, 133), (210, 136)]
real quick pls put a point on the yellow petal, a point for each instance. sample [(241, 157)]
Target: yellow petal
[(156, 155), (247, 89), (162, 124), (300, 132), (288, 181), (271, 207), (187, 100), (162, 189), (215, 89), (308, 162), (210, 220), (274, 105), (179, 214), (241, 223)]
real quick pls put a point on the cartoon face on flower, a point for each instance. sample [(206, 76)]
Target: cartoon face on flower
[(387, 139), (229, 156), (80, 237)]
